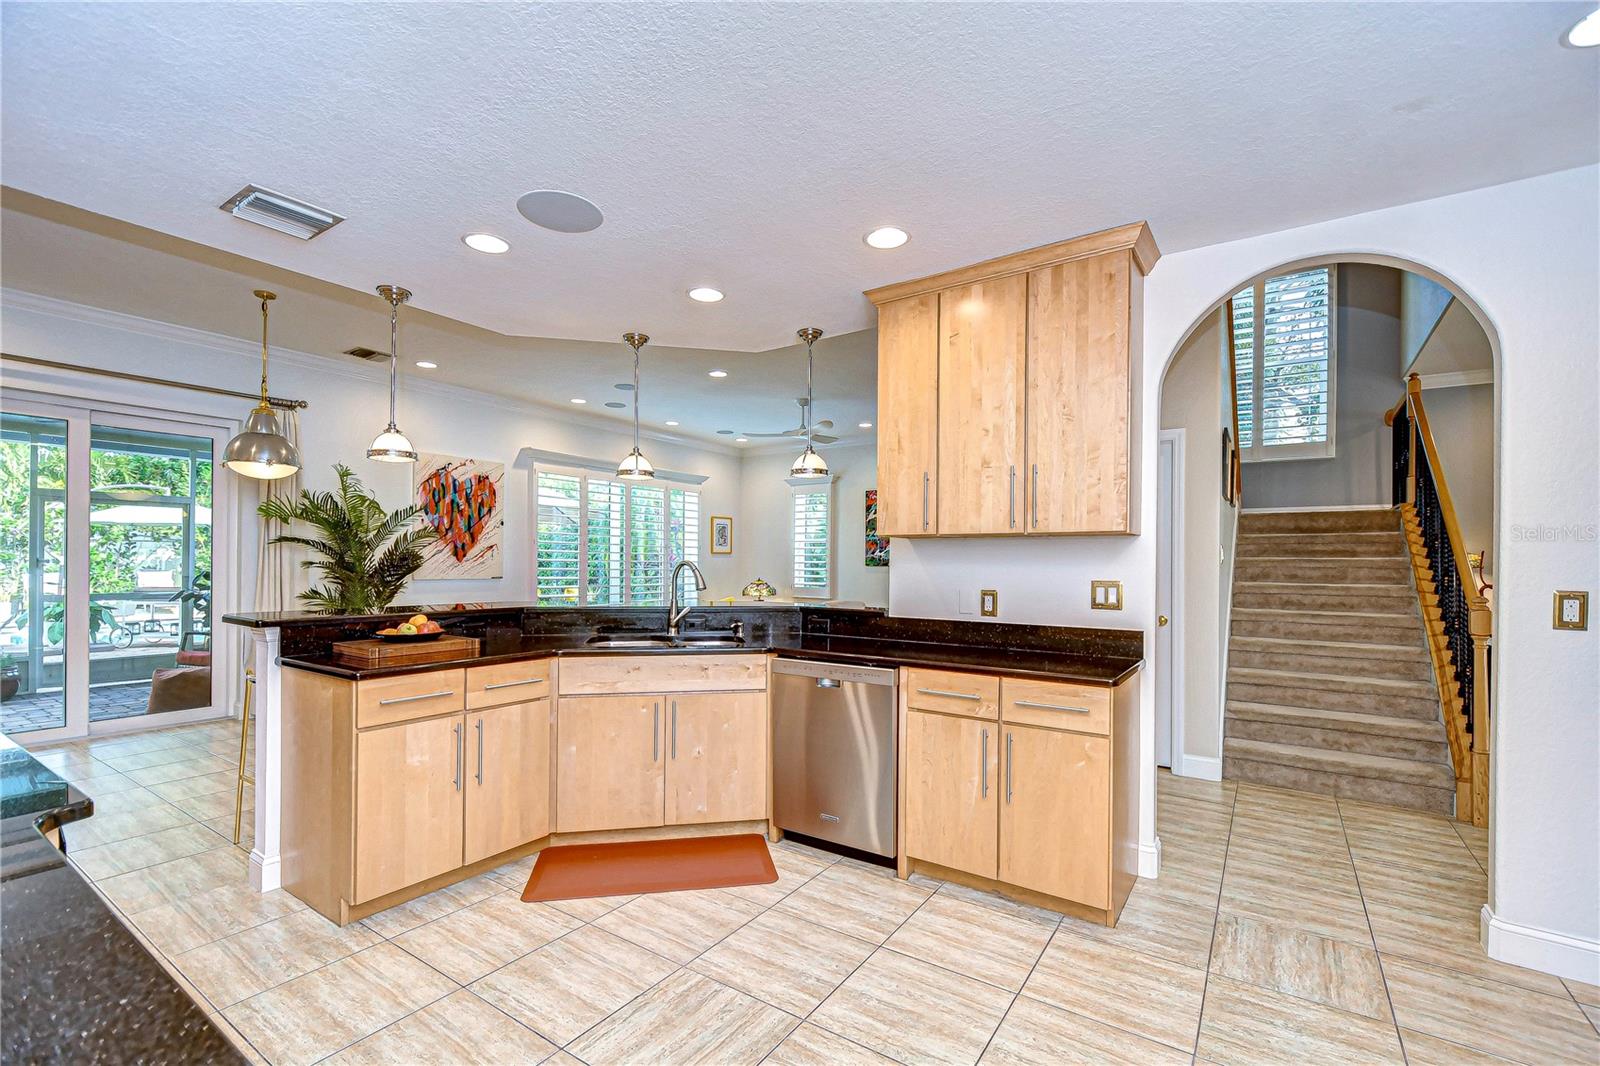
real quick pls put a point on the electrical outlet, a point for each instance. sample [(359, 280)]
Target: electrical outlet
[(1571, 610), (988, 603), (1105, 595)]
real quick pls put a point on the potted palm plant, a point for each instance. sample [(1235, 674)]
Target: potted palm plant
[(10, 676), (364, 554)]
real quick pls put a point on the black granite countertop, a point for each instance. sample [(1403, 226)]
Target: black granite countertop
[(512, 646), (75, 985)]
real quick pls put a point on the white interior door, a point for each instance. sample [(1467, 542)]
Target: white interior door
[(1169, 536)]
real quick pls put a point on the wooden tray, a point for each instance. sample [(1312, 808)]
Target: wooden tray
[(378, 653)]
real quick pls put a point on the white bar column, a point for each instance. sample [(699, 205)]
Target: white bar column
[(265, 872)]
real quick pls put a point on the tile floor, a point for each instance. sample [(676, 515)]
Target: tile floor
[(1286, 927)]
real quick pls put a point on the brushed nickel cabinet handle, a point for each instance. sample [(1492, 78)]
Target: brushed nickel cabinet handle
[(655, 734), (674, 729), (1012, 488), (1049, 706), (947, 695), (414, 699), (983, 764), (924, 501), (1033, 496), (513, 684), (459, 744), (1008, 767), (480, 750)]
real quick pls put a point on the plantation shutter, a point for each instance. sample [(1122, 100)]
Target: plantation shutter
[(607, 529), (1244, 356), (812, 529), (647, 546), (558, 545), (605, 543), (683, 540), (1283, 347)]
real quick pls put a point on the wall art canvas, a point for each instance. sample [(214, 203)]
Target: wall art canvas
[(463, 501), (877, 547)]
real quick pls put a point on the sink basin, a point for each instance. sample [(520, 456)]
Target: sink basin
[(604, 641), (661, 640), (709, 642)]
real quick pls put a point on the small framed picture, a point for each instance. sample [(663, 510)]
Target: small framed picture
[(721, 534)]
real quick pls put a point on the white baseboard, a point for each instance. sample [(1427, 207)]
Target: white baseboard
[(1202, 766), (1150, 859), (1308, 510), (265, 874), (1540, 949)]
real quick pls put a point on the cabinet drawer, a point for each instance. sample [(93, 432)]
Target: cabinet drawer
[(491, 686), (972, 695), (1056, 705), (383, 700)]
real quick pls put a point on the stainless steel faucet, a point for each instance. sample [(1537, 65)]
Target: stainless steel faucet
[(674, 612)]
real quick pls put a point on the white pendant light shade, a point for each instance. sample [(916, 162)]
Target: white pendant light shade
[(809, 465), (392, 446), (634, 466), (260, 450)]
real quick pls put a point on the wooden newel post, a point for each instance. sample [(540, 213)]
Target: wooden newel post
[(1481, 627), (1413, 397)]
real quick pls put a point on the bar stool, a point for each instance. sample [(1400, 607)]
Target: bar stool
[(245, 778)]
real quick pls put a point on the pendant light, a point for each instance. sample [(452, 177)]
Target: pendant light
[(392, 446), (260, 450), (810, 464), (635, 467)]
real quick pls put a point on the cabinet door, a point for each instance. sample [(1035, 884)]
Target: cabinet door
[(409, 781), (952, 791), (908, 416), (609, 772), (1055, 821), (508, 788), (982, 369), (716, 757), (1078, 396)]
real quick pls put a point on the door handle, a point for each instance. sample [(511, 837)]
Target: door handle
[(513, 684), (946, 694), (924, 501), (674, 729), (655, 734), (1008, 767), (1012, 488), (1049, 706), (827, 682), (1033, 496), (480, 751), (983, 765), (1161, 620), (459, 753), (413, 699)]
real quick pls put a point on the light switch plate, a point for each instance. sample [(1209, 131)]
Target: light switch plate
[(988, 603), (1105, 595), (1571, 610)]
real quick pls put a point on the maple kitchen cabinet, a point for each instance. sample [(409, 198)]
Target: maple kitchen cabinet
[(1016, 413)]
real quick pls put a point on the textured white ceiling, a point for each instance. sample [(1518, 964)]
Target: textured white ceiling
[(750, 146)]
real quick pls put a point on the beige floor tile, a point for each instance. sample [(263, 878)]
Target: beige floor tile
[(223, 827), (210, 915), (1004, 904), (102, 783), (1451, 943), (687, 1019), (1443, 894), (126, 762), (1501, 1019), (515, 873), (240, 1044), (974, 940), (591, 907), (172, 771), (458, 1030), (1158, 921), (826, 858), (173, 881), (793, 869), (1592, 1013), (265, 956), (215, 805), (811, 1046), (1144, 994), (1328, 913), (1583, 993), (567, 986), (396, 920), (466, 944), (205, 784), (1332, 972), (1037, 1034), (106, 826), (784, 960), (1246, 1023), (854, 902), (329, 1009), (136, 853), (912, 1011), (678, 925), (1424, 1050)]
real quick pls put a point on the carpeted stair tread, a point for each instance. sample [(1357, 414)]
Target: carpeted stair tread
[(1321, 545), (1345, 682), (1351, 721), (1340, 648), (1383, 519), (1354, 764)]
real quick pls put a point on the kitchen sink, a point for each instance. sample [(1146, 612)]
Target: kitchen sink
[(708, 642), (661, 640), (630, 641)]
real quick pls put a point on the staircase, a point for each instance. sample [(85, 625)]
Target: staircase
[(1331, 686)]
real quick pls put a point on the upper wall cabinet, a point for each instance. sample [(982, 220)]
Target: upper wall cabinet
[(1007, 389)]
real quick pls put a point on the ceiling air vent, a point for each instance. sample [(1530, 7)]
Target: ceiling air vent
[(282, 213), (366, 353)]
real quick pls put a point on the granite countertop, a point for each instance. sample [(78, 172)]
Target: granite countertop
[(75, 984), (503, 647)]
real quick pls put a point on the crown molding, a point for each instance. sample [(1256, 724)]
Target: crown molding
[(1456, 378)]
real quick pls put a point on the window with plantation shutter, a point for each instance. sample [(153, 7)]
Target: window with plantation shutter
[(813, 538), (623, 539), (1283, 337)]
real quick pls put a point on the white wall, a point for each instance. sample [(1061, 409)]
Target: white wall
[(1462, 421), (1422, 302), (765, 507)]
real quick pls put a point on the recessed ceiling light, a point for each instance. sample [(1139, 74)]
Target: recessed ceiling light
[(670, 422), (705, 294), (1586, 34), (718, 374), (863, 425), (741, 440), (725, 432), (487, 243), (625, 386), (564, 212), (426, 365), (886, 237), (578, 399), (616, 404)]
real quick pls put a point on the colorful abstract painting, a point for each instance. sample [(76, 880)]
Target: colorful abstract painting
[(877, 547), (462, 500)]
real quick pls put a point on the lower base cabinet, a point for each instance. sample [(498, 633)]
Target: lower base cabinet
[(952, 775), (408, 805), (508, 789), (716, 757), (1055, 823)]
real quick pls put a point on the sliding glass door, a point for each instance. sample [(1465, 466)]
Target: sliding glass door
[(106, 558)]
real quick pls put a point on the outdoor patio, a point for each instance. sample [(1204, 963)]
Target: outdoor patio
[(43, 710)]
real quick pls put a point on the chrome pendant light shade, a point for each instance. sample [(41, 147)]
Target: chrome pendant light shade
[(634, 466), (260, 450), (810, 464), (392, 446)]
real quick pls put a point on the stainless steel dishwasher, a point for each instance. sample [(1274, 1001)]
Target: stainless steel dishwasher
[(833, 762)]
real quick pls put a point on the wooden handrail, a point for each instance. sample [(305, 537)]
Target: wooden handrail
[(1452, 528)]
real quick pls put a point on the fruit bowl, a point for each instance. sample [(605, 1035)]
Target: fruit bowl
[(408, 638), (413, 630)]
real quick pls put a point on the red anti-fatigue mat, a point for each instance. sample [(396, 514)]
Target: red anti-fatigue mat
[(574, 871)]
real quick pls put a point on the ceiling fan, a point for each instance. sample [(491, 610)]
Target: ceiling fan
[(807, 430)]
